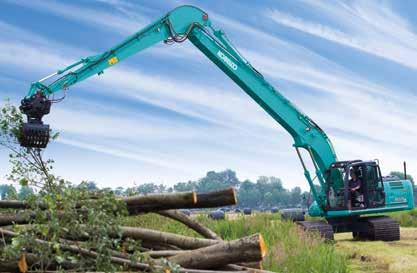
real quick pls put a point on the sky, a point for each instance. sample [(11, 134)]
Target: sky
[(168, 114)]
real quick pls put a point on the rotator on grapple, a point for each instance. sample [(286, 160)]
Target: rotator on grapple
[(34, 133), (332, 199)]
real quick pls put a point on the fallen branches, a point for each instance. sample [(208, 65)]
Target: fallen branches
[(157, 202), (159, 237), (13, 204), (221, 198), (248, 249), (20, 218), (196, 226), (163, 250)]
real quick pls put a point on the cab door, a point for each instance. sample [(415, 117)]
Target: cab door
[(375, 195)]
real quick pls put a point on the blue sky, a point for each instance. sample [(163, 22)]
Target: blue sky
[(168, 114)]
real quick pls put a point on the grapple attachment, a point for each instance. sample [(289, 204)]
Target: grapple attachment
[(33, 133)]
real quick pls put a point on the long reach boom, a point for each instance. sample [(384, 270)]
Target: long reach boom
[(332, 198)]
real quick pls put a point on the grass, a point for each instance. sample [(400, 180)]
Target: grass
[(289, 249), (406, 218), (381, 257)]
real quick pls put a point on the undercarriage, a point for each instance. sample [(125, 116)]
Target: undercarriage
[(373, 228)]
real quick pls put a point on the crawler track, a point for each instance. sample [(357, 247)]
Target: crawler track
[(379, 228), (324, 229)]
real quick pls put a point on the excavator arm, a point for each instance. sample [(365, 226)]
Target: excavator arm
[(188, 22)]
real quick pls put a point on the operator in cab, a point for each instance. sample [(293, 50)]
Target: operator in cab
[(355, 185)]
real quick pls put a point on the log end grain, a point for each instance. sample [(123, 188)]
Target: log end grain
[(234, 195), (22, 264), (262, 245)]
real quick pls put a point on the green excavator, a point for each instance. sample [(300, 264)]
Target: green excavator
[(341, 208)]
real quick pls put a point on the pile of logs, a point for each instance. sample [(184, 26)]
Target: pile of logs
[(209, 254)]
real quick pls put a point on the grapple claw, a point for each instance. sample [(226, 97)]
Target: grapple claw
[(34, 135)]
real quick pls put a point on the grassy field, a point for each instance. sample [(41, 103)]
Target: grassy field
[(289, 249), (384, 257), (406, 218), (380, 257)]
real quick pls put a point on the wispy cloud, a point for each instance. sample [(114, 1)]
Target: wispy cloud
[(351, 103), (95, 17), (236, 132), (369, 26), (186, 98), (363, 103)]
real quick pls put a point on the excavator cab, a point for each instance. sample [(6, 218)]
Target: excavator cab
[(370, 193), (33, 133)]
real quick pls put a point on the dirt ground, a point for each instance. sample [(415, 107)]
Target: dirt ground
[(381, 257)]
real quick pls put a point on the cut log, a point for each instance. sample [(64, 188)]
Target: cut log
[(221, 198), (202, 230), (189, 222), (24, 217), (163, 253), (115, 260), (158, 246), (182, 270), (247, 249), (155, 202), (13, 204), (255, 265), (235, 267), (159, 237), (155, 240), (163, 201), (7, 219)]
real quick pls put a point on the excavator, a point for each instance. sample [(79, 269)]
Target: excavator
[(335, 205)]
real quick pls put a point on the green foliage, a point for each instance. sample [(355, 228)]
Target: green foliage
[(155, 221), (89, 185), (401, 175), (25, 193), (10, 121), (289, 248), (27, 165), (7, 192), (217, 180), (69, 213), (151, 188), (406, 218), (249, 195), (57, 209), (185, 186), (266, 192)]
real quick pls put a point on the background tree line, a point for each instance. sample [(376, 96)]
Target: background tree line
[(265, 192)]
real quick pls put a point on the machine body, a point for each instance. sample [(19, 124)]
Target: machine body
[(331, 199)]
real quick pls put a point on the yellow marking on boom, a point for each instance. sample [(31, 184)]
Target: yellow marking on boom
[(113, 60)]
